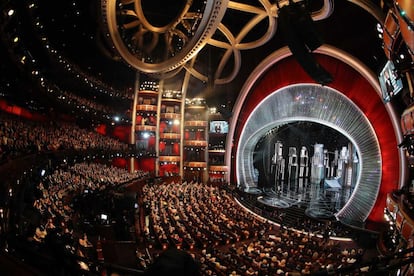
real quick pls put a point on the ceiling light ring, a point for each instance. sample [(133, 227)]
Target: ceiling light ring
[(166, 28), (180, 40)]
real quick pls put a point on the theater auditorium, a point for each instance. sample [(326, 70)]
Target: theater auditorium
[(207, 137)]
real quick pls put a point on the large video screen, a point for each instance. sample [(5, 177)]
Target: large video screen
[(219, 127), (390, 81)]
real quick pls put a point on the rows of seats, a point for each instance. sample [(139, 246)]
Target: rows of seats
[(278, 253), (56, 189), (19, 137), (182, 214), (54, 201), (227, 240), (205, 220)]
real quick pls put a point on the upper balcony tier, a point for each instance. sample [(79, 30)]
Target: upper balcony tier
[(195, 164), (169, 158), (195, 123), (147, 107), (145, 128), (195, 143), (148, 92), (170, 136), (175, 116)]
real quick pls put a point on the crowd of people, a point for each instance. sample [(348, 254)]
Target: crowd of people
[(192, 215), (96, 85), (225, 239), (222, 237), (280, 252), (54, 202), (205, 220), (82, 104), (19, 137), (57, 189)]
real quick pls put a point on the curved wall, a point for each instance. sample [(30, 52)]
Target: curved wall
[(352, 80), (325, 106)]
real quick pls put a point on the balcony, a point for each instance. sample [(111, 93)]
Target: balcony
[(170, 136), (172, 115), (195, 143), (147, 107), (195, 164), (172, 100), (218, 168), (148, 92), (170, 158), (216, 151), (145, 128), (196, 123)]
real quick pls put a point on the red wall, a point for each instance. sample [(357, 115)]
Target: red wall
[(121, 132), (19, 111)]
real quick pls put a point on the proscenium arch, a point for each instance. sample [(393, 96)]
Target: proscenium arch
[(353, 79), (323, 105)]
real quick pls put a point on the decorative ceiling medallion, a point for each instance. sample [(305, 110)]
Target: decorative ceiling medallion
[(156, 36)]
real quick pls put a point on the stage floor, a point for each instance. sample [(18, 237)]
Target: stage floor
[(319, 201)]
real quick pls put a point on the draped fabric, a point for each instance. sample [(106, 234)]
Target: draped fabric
[(354, 87)]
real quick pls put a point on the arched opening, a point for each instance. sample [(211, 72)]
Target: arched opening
[(353, 84), (324, 106)]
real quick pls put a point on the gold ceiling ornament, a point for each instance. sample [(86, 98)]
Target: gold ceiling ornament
[(231, 43), (158, 36)]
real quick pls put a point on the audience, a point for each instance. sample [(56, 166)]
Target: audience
[(59, 187), (20, 137), (203, 220), (206, 221), (56, 192), (227, 240)]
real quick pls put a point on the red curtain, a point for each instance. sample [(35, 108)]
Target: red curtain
[(176, 149), (123, 133), (145, 164)]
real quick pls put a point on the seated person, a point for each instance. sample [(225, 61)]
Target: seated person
[(84, 242), (40, 234)]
